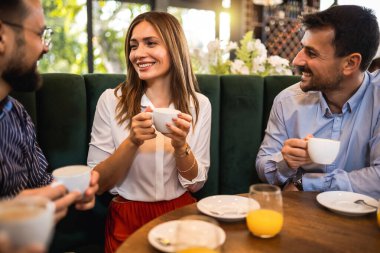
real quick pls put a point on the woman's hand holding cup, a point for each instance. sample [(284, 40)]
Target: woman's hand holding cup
[(142, 127), (179, 130)]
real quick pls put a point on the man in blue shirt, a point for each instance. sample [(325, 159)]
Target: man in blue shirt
[(335, 99)]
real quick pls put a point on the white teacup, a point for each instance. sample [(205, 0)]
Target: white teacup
[(27, 220), (323, 151), (162, 116), (74, 177)]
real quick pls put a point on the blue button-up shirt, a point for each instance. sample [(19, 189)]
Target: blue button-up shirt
[(296, 114)]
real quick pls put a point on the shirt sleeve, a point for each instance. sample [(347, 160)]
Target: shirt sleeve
[(102, 144), (270, 165), (200, 146)]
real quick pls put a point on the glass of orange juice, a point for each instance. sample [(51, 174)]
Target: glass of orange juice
[(378, 214), (265, 220), (198, 234)]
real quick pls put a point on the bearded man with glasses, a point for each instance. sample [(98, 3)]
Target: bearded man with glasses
[(24, 39), (31, 41)]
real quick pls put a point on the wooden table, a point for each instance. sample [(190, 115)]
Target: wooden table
[(308, 227)]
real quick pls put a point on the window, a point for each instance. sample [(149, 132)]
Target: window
[(69, 43), (110, 20), (198, 25)]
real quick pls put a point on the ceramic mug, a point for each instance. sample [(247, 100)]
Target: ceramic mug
[(323, 151), (163, 116), (74, 177), (27, 220)]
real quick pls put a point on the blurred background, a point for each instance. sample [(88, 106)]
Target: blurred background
[(89, 35)]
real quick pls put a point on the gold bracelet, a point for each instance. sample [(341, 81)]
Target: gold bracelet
[(192, 166), (184, 154)]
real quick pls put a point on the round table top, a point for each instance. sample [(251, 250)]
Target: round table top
[(308, 227)]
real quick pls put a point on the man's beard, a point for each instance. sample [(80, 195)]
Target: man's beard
[(20, 79), (317, 84)]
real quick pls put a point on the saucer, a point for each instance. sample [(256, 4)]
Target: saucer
[(167, 231), (226, 207), (342, 202)]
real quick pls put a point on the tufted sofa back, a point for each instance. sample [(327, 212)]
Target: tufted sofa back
[(63, 111)]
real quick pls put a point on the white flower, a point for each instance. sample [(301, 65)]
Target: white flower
[(262, 51), (213, 46), (239, 67), (279, 66), (276, 60), (258, 65), (260, 59), (251, 58), (251, 46), (231, 46)]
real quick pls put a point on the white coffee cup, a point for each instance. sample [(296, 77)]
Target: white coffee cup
[(27, 220), (74, 177), (162, 116), (323, 151)]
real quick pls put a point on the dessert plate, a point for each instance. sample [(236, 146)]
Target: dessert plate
[(226, 207), (163, 236), (343, 202)]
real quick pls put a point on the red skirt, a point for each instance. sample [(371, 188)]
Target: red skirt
[(126, 216)]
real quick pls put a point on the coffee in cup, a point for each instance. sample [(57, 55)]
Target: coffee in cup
[(27, 220), (74, 177), (163, 116), (323, 151)]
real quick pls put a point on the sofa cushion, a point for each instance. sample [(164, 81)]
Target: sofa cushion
[(240, 131), (96, 84), (62, 123), (210, 87)]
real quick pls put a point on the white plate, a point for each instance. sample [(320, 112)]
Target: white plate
[(343, 202), (226, 207), (167, 230)]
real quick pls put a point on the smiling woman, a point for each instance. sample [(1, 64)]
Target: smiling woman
[(126, 148)]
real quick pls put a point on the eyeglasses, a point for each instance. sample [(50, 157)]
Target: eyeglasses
[(46, 35)]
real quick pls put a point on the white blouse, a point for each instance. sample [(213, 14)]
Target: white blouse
[(153, 175)]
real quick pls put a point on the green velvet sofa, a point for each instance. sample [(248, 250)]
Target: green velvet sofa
[(63, 111)]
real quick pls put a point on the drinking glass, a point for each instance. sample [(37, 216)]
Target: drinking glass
[(378, 214), (198, 234), (266, 220)]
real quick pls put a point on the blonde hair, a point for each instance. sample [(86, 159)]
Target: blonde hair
[(183, 84)]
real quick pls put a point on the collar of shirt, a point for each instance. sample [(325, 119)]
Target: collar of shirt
[(5, 106), (145, 102), (351, 103)]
